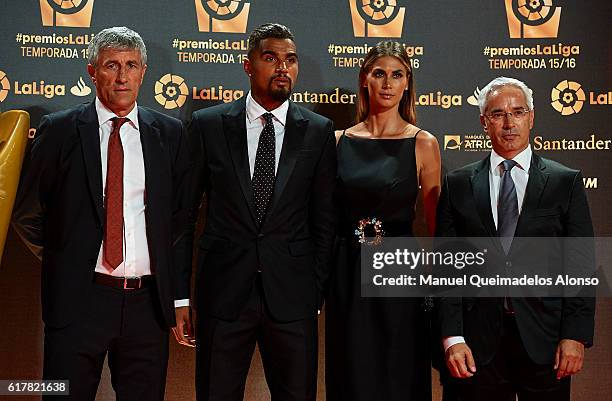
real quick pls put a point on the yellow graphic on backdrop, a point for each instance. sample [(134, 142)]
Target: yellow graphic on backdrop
[(473, 99), (377, 18), (222, 15), (567, 97), (5, 85), (452, 142), (71, 13), (80, 89), (532, 18), (171, 91)]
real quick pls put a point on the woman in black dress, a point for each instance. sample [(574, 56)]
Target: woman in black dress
[(377, 349)]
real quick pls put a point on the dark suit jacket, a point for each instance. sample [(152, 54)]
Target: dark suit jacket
[(293, 246), (555, 205), (59, 210)]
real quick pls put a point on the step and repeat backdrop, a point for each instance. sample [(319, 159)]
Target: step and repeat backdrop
[(561, 49)]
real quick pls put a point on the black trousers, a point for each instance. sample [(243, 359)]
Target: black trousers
[(225, 348), (126, 325), (512, 373)]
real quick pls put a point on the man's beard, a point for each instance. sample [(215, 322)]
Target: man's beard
[(280, 94)]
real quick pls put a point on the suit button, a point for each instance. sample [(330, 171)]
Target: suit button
[(99, 225), (260, 236), (508, 264)]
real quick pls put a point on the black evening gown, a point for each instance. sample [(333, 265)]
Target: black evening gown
[(377, 349)]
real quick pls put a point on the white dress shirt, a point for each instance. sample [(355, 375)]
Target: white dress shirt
[(255, 123), (136, 260), (520, 176)]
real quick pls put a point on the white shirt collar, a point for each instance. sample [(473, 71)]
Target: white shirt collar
[(105, 114), (523, 159), (254, 110)]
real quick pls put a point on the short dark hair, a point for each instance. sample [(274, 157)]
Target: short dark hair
[(268, 30)]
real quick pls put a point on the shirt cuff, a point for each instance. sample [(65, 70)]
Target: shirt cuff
[(178, 303), (448, 342)]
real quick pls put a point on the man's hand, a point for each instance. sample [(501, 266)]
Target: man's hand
[(183, 332), (460, 361), (569, 358)]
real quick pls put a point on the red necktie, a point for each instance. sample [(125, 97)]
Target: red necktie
[(113, 234)]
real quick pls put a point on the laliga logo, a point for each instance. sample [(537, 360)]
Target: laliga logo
[(222, 15), (567, 97), (5, 85), (171, 91), (377, 18), (532, 18), (72, 13)]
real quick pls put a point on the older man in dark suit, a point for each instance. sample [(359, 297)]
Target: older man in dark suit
[(504, 347), (100, 202), (267, 167)]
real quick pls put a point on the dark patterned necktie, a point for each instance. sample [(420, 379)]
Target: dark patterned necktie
[(263, 174), (113, 228), (507, 206)]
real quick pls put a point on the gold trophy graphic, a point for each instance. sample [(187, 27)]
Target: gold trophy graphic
[(377, 18), (532, 18), (229, 16), (70, 13)]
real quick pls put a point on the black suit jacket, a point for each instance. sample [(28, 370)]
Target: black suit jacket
[(59, 210), (555, 205), (294, 244)]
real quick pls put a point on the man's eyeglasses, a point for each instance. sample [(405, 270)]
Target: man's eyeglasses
[(498, 116)]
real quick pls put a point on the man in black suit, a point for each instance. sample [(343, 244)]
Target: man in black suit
[(267, 167), (501, 347), (100, 203)]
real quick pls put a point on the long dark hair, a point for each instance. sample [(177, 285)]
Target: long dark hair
[(407, 107)]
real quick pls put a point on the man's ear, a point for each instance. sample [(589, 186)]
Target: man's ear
[(144, 69), (483, 122), (247, 67), (91, 70)]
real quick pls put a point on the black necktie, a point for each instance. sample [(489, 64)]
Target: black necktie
[(263, 174), (507, 206)]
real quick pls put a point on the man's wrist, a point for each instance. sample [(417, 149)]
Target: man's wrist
[(179, 303), (448, 342)]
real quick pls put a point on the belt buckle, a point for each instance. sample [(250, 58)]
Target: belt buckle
[(125, 283), (375, 225)]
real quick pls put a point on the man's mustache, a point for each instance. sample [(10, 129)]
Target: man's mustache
[(287, 77)]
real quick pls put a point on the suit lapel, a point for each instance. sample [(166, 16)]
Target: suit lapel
[(295, 128), (234, 128), (482, 196), (536, 183), (152, 153), (89, 131)]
